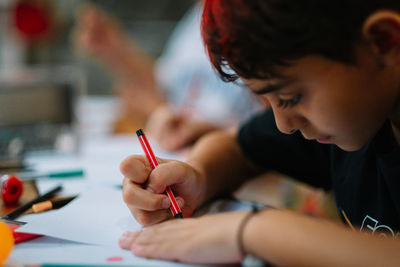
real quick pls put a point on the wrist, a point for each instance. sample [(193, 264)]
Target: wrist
[(120, 62), (261, 236), (242, 248), (201, 183)]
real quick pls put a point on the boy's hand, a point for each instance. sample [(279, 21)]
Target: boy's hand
[(204, 240), (143, 188)]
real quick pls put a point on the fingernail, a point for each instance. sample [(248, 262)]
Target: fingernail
[(165, 203), (180, 203), (150, 190), (125, 239)]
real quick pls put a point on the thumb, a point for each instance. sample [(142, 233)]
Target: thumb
[(137, 168)]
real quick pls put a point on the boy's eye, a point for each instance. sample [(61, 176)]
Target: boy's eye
[(283, 103)]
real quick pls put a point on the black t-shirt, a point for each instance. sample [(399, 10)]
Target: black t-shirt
[(366, 183)]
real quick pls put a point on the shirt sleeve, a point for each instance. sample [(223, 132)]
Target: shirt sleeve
[(305, 160)]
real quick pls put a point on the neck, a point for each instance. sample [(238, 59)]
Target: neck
[(395, 121), (395, 118), (396, 133)]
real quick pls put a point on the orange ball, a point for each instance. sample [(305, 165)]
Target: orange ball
[(6, 242)]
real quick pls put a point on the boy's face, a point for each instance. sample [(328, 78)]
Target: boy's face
[(332, 102)]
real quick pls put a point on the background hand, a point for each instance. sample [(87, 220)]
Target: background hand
[(173, 132), (97, 34), (101, 37)]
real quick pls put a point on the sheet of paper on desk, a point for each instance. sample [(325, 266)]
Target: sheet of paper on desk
[(64, 253), (98, 216)]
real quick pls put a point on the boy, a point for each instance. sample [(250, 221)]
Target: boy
[(331, 71)]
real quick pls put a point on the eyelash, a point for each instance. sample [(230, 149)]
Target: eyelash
[(283, 103)]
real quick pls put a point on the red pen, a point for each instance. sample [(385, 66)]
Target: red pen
[(176, 211)]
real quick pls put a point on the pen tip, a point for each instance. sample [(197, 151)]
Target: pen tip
[(139, 132), (178, 215)]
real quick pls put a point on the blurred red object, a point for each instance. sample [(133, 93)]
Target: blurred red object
[(33, 20), (20, 236), (11, 189)]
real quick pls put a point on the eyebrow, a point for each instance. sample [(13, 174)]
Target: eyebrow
[(271, 88)]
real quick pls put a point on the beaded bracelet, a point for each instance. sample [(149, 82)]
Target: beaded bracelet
[(240, 231)]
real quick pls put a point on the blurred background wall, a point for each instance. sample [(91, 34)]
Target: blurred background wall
[(28, 39)]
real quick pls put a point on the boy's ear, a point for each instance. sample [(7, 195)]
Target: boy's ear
[(382, 31)]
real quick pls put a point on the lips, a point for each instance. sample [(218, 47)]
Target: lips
[(323, 140)]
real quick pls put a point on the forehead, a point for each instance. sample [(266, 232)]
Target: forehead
[(263, 86), (281, 76), (306, 68)]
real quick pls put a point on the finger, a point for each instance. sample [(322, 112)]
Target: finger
[(145, 236), (137, 197), (170, 173), (137, 168), (127, 239), (154, 241), (181, 202), (147, 218)]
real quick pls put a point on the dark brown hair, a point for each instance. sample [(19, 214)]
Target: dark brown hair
[(251, 38)]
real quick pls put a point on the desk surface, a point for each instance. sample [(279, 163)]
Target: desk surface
[(29, 192), (100, 156)]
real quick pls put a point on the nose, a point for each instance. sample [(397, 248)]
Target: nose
[(287, 121)]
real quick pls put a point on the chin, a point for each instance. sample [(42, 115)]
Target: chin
[(350, 147)]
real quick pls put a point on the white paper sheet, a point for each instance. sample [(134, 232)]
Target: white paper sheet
[(46, 250), (98, 216), (85, 232)]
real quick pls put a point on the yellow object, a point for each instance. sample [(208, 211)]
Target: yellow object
[(6, 242)]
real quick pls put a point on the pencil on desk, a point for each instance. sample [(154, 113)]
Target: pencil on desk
[(51, 204), (20, 210)]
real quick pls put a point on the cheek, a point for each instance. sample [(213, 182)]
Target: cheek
[(329, 114), (353, 122)]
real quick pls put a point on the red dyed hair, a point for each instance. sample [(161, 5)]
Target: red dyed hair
[(215, 34), (225, 26), (254, 38)]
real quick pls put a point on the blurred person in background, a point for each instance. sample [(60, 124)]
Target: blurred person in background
[(178, 96)]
